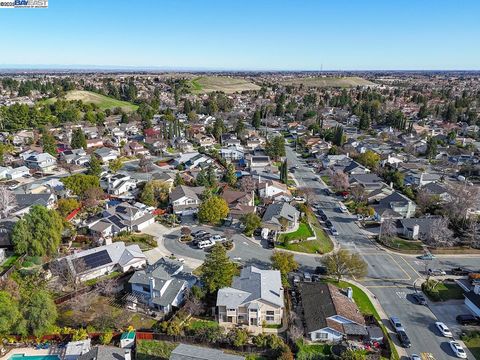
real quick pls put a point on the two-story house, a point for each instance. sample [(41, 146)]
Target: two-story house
[(394, 206), (119, 184), (106, 154), (280, 216), (255, 299), (41, 162), (162, 286), (185, 200)]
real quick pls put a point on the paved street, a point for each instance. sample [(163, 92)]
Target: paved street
[(391, 276)]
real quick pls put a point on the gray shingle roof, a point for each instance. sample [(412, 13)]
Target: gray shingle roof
[(190, 352)]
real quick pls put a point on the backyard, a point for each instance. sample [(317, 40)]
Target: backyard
[(154, 349)]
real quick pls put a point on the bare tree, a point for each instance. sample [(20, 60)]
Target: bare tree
[(425, 201), (247, 184), (358, 194), (339, 180), (295, 329), (307, 192), (463, 198), (388, 230), (82, 302), (67, 277), (145, 164), (92, 196), (107, 287), (439, 234), (7, 201)]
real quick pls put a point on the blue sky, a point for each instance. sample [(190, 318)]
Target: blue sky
[(246, 34)]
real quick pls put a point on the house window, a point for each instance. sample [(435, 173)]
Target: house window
[(145, 288), (270, 315), (321, 336)]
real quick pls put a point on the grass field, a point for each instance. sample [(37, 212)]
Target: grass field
[(206, 84), (154, 349), (325, 82), (403, 244), (472, 340), (102, 101), (444, 291)]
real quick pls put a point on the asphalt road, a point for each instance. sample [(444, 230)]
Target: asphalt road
[(391, 277)]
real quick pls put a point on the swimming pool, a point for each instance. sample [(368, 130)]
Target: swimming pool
[(33, 357)]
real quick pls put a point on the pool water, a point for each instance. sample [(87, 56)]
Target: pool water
[(33, 357)]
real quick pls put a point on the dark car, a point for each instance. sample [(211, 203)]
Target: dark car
[(403, 338), (321, 270), (460, 271), (257, 232), (320, 212), (323, 217), (328, 224), (468, 319), (327, 191), (420, 299)]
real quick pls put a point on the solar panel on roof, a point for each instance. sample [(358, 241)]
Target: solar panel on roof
[(94, 260)]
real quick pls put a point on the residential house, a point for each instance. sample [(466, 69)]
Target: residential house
[(232, 153), (75, 156), (119, 184), (420, 178), (41, 162), (106, 154), (16, 173), (191, 352), (258, 161), (198, 160), (254, 299), (240, 203), (204, 140), (161, 286), (330, 314), (369, 182), (94, 143), (134, 148), (24, 202), (280, 216), (418, 228), (121, 217), (185, 200), (103, 260), (102, 352), (436, 189), (272, 189), (394, 206)]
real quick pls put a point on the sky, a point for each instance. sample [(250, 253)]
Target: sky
[(245, 34)]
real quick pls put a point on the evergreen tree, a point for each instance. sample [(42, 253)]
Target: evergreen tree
[(78, 140), (230, 175), (95, 166), (48, 144), (217, 270), (431, 148), (338, 137), (256, 121), (178, 180)]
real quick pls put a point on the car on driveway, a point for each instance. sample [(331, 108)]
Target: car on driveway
[(436, 272), (218, 238), (321, 270), (396, 324), (468, 319), (327, 191), (403, 338), (427, 256), (458, 350), (419, 299), (460, 271), (444, 330)]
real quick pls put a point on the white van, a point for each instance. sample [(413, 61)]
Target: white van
[(205, 244)]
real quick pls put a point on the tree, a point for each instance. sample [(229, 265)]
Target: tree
[(213, 210), (49, 144), (343, 263), (94, 166), (388, 230), (178, 180), (106, 337), (40, 312), (230, 175), (211, 176), (66, 206), (155, 193), (369, 159), (7, 201), (217, 270), (284, 172), (352, 355), (338, 136), (115, 165), (38, 233), (238, 337), (78, 140), (92, 196), (145, 164), (357, 193), (256, 121), (339, 180), (251, 221), (439, 235), (432, 148), (80, 183), (275, 147), (148, 195), (285, 263), (10, 316)]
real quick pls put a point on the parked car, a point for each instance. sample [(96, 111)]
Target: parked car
[(321, 270), (403, 338), (420, 299), (205, 244), (458, 350), (359, 217), (328, 224), (460, 271), (427, 256), (218, 238), (307, 277), (198, 233), (342, 207), (257, 232), (436, 272), (296, 279), (468, 319), (415, 357), (327, 191), (323, 217), (334, 231), (444, 330), (396, 324)]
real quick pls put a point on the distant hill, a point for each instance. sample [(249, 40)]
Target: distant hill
[(339, 82), (102, 101), (206, 84)]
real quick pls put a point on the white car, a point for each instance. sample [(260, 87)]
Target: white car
[(342, 208), (458, 350), (334, 231), (415, 357), (205, 244), (436, 272), (444, 330), (218, 238), (396, 324)]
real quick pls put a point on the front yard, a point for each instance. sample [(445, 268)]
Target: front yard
[(303, 232), (442, 291), (144, 241), (402, 244)]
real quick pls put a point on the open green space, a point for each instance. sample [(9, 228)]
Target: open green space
[(309, 351), (196, 324), (325, 82), (304, 231), (154, 349), (102, 101), (144, 241), (442, 291), (402, 244), (206, 84)]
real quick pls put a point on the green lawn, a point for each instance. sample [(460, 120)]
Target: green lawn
[(472, 341), (8, 262), (321, 245), (154, 349), (139, 321), (326, 179), (303, 232), (403, 244), (443, 291), (102, 101), (196, 324), (306, 351), (144, 241)]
